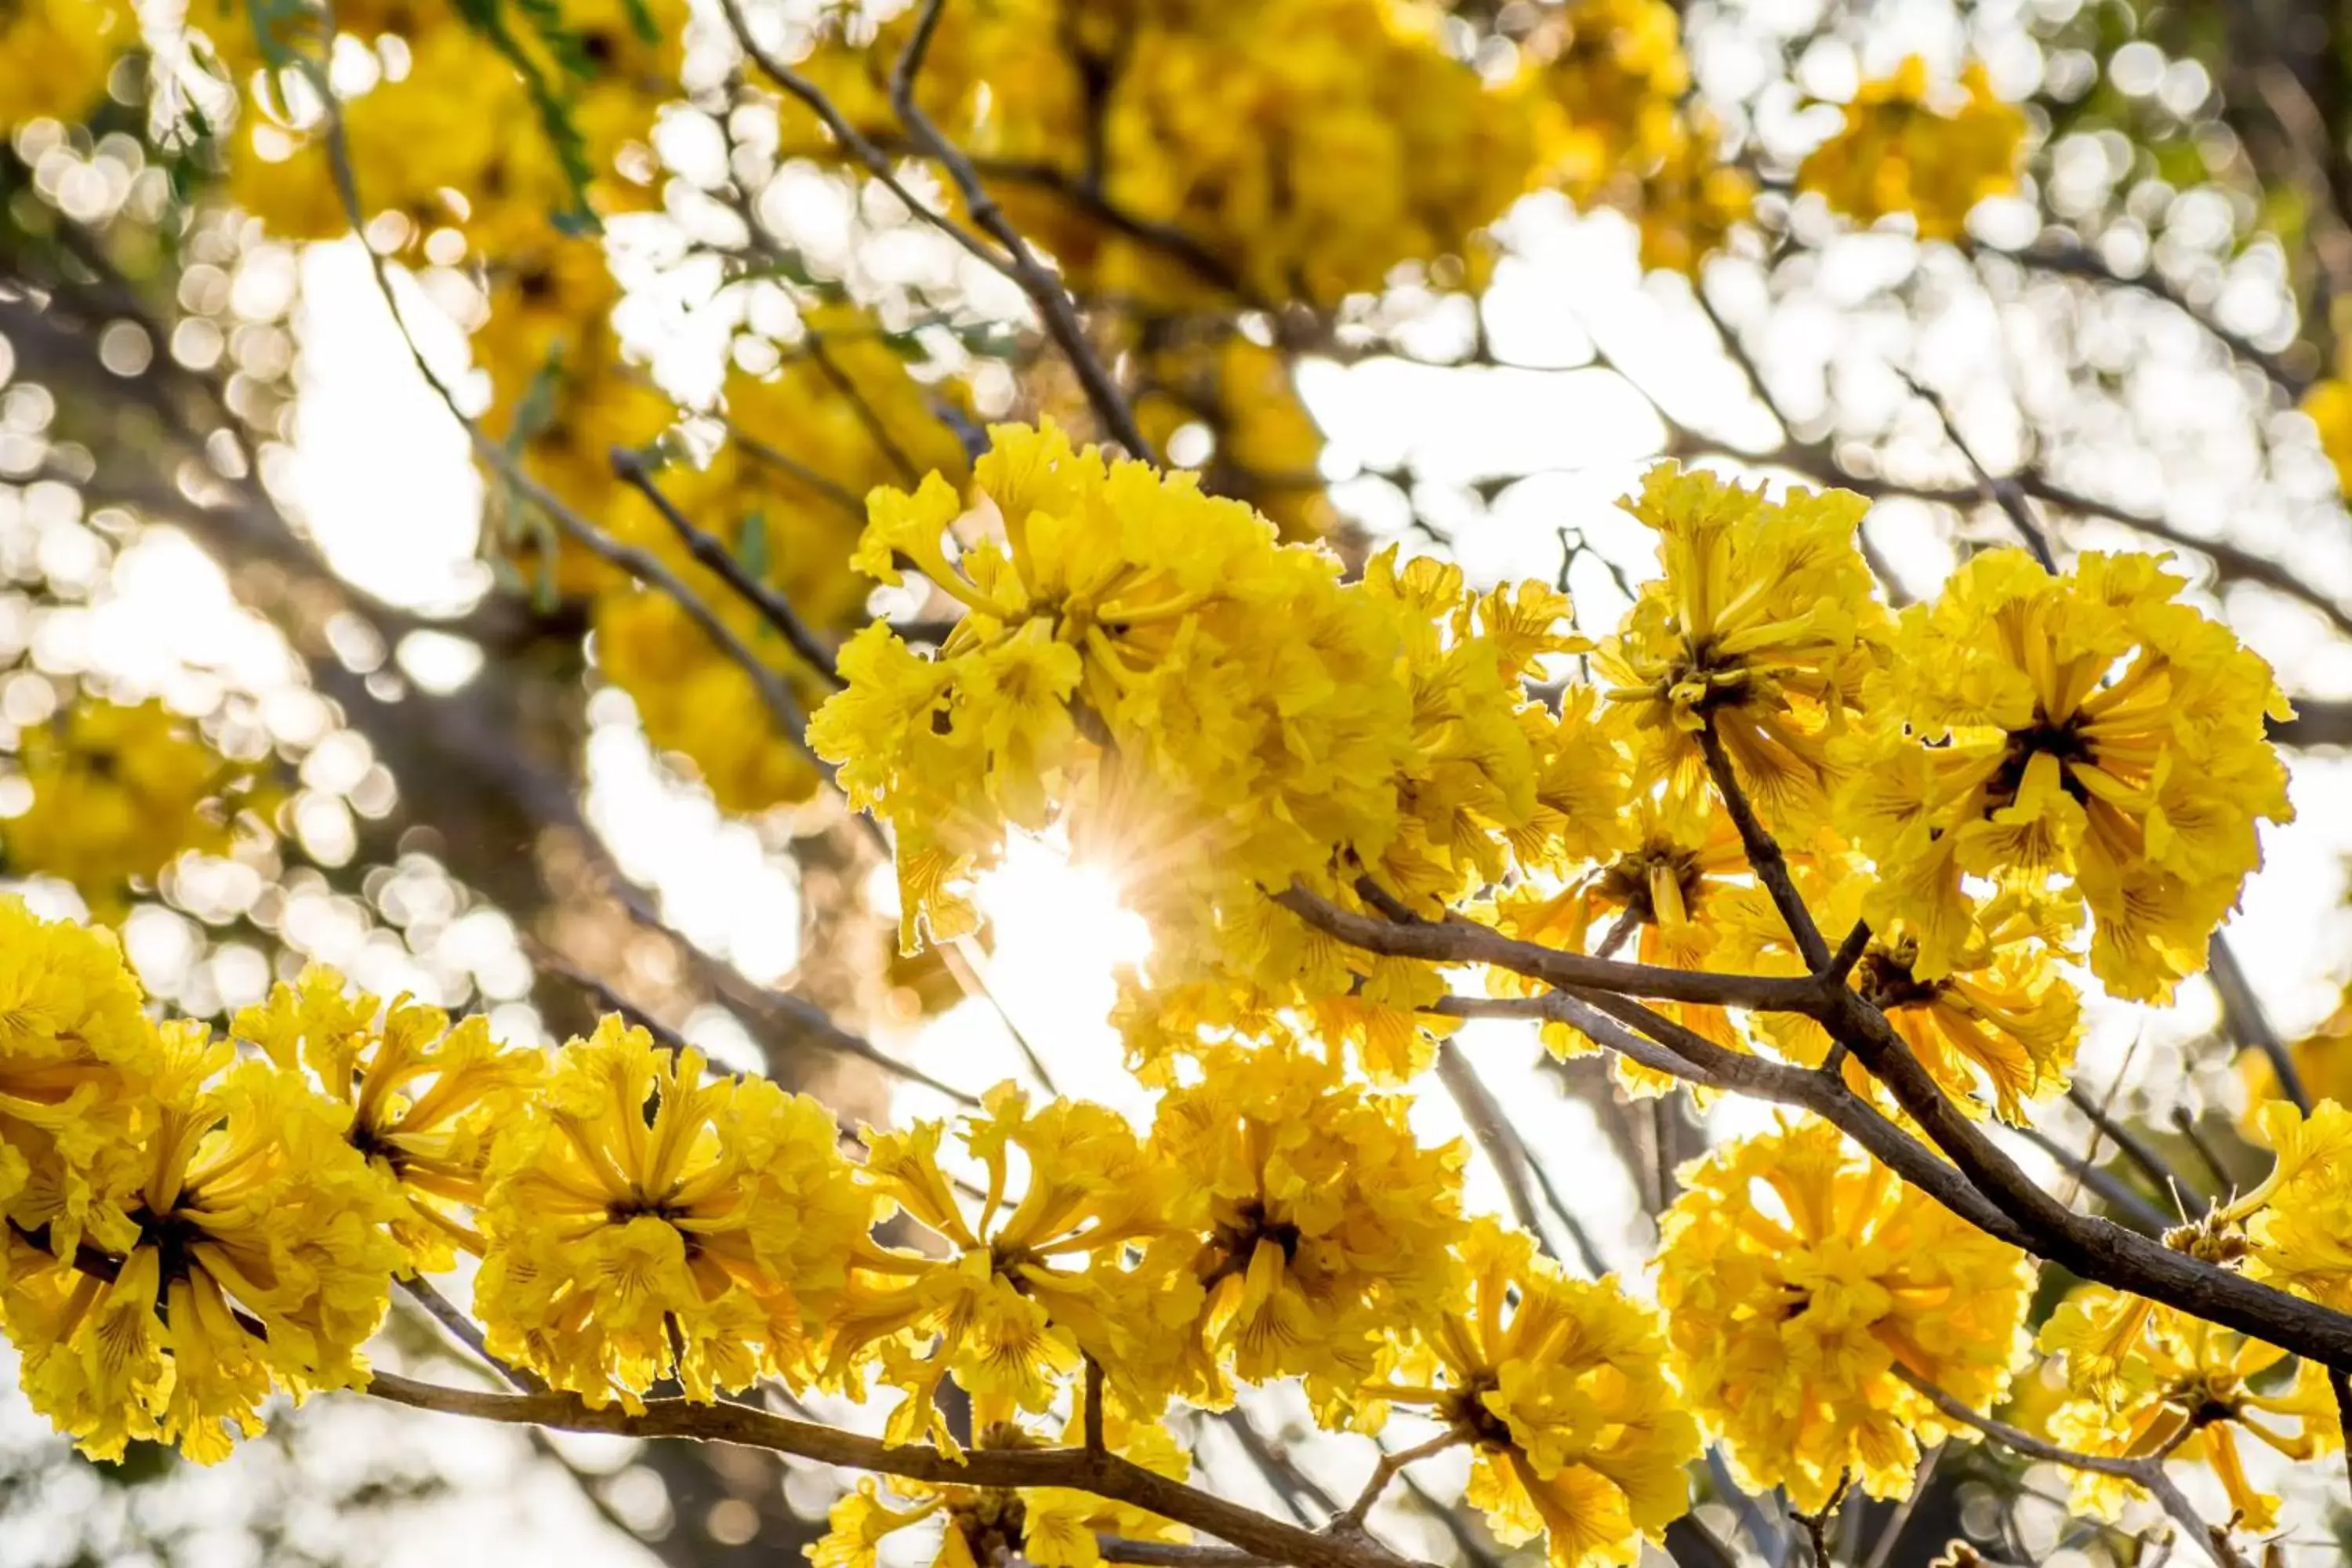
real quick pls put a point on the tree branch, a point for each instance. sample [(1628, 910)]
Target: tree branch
[(1764, 856), (1462, 941), (1102, 1474), (1044, 289), (774, 608), (2145, 1472)]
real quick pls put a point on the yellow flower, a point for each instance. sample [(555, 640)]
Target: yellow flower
[(75, 44), (2298, 1221), (1560, 1387), (251, 1254), (1659, 900), (426, 1099), (1903, 150), (2085, 732), (2328, 404), (1215, 712), (1006, 1300), (120, 792), (1306, 147), (1315, 1218), (2004, 1018), (1608, 73), (75, 1056), (2145, 1380), (1800, 1277), (1762, 626), (646, 1222), (2323, 1061)]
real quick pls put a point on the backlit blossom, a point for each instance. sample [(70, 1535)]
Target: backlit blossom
[(1801, 1281)]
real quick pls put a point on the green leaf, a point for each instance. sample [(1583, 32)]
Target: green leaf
[(751, 544)]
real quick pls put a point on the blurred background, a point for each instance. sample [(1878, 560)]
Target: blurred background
[(285, 674)]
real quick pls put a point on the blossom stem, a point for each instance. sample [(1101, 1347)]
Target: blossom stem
[(466, 1332), (1352, 1521), (1764, 854)]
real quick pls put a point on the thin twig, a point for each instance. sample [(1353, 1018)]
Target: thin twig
[(876, 162), (629, 466), (2003, 492), (2185, 1122), (2146, 1472), (1892, 1535), (2153, 1165), (828, 1035), (1764, 856), (2249, 1022), (1386, 1471), (1817, 1523), (2068, 258), (2145, 1217), (468, 1333), (1506, 1152), (1044, 289)]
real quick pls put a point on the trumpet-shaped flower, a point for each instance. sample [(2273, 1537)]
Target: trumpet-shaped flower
[(2085, 734), (2145, 1381), (1006, 1299), (647, 1222), (75, 1056), (1801, 1280), (1316, 1216), (251, 1254), (1761, 628), (1560, 1388), (426, 1099)]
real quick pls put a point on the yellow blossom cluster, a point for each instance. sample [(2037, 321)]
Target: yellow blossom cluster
[(1908, 147), (1804, 1287), (185, 1230), (1299, 150), (2084, 736), (1114, 660), (1214, 717), (77, 43), (2143, 1380), (1609, 87), (1303, 148), (1560, 1387), (447, 114), (646, 1222), (120, 791), (1997, 1031), (1759, 631), (196, 1222)]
